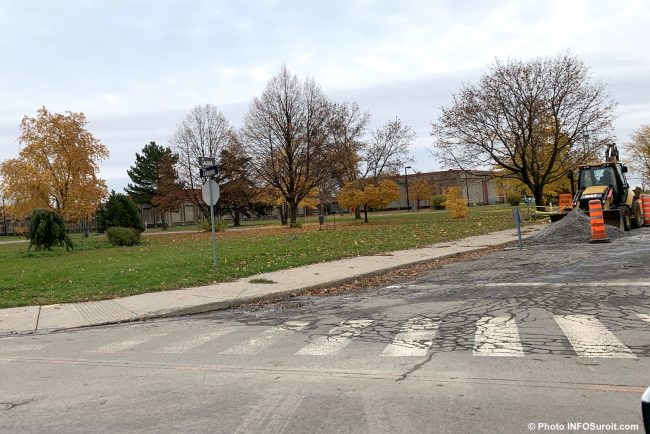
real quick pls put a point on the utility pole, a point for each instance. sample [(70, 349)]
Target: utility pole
[(4, 218), (406, 181), (467, 188)]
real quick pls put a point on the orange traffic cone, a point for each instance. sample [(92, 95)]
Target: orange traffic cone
[(645, 208), (598, 233), (566, 202)]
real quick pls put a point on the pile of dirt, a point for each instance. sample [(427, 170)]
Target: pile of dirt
[(573, 228)]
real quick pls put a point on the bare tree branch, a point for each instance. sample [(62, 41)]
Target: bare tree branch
[(529, 119)]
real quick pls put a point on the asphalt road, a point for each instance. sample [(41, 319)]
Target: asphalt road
[(541, 339)]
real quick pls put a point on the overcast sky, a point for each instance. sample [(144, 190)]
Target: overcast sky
[(135, 68)]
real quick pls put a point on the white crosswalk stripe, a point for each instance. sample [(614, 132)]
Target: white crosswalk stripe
[(497, 337), (196, 341), (120, 346), (494, 336), (590, 338), (268, 338), (414, 339), (337, 339), (644, 316)]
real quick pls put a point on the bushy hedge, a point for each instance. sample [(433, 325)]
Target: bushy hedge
[(119, 210), (121, 236), (47, 228), (513, 198), (219, 225), (438, 201)]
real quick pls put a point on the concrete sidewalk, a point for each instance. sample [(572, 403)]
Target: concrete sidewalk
[(228, 294)]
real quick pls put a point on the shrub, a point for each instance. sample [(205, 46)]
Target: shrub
[(47, 228), (121, 236), (456, 204), (438, 201), (119, 210), (219, 225), (513, 198)]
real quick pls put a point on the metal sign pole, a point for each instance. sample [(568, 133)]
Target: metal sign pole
[(517, 216), (214, 236)]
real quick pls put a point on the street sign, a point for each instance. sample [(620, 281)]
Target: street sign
[(209, 171), (206, 161), (210, 192)]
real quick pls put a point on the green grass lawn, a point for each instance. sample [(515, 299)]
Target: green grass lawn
[(95, 270), (11, 238)]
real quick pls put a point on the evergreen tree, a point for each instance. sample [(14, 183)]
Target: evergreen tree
[(47, 228), (120, 210), (154, 179)]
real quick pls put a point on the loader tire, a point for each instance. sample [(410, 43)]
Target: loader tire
[(627, 218)]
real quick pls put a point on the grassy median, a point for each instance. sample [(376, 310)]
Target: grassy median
[(95, 270)]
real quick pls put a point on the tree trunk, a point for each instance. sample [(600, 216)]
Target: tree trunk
[(236, 218), (293, 209), (365, 211), (283, 214), (357, 213), (539, 197), (162, 219)]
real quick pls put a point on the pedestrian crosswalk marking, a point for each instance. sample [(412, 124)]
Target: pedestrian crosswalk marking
[(120, 346), (494, 336), (414, 338), (644, 316), (497, 337), (196, 341), (268, 338), (338, 338), (590, 338)]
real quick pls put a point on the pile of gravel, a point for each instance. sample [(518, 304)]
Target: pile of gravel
[(573, 228)]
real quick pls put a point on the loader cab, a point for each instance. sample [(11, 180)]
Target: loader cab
[(610, 174), (601, 175)]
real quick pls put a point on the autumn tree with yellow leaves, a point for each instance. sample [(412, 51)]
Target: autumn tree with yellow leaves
[(364, 193), (456, 203), (385, 154), (532, 119), (273, 197), (56, 168), (420, 189), (640, 152)]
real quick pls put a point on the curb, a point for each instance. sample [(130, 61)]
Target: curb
[(237, 302)]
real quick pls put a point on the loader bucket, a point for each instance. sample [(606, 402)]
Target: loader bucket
[(557, 217), (612, 217)]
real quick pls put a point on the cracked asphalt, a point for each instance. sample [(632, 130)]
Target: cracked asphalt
[(551, 334)]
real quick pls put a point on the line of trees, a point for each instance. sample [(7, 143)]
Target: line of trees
[(295, 148), (528, 121)]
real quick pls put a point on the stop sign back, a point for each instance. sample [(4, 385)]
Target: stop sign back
[(205, 192)]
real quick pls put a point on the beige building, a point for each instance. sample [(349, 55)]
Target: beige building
[(186, 213), (478, 187)]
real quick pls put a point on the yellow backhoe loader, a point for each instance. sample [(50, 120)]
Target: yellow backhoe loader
[(607, 183)]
